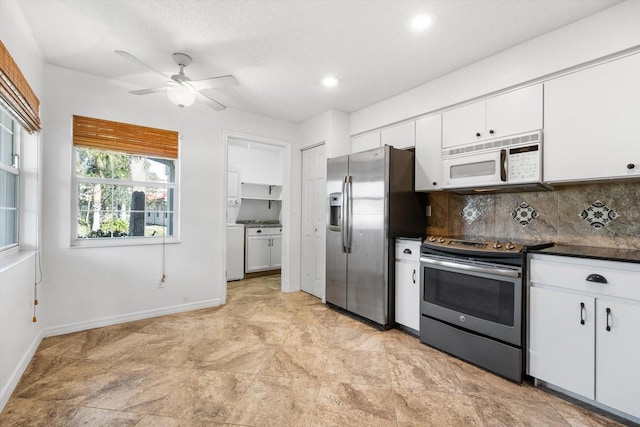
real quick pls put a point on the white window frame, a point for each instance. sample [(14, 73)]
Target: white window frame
[(123, 241), (15, 170)]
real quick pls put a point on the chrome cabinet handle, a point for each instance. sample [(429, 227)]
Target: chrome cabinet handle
[(608, 319), (582, 310)]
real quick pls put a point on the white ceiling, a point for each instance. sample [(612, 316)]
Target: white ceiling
[(280, 50)]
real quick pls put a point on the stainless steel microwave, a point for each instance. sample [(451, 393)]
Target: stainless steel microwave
[(498, 164)]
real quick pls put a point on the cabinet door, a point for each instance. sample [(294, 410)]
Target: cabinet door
[(617, 356), (276, 252), (514, 112), (399, 136), (257, 257), (365, 142), (561, 348), (428, 153), (407, 294), (464, 125), (233, 184), (591, 117)]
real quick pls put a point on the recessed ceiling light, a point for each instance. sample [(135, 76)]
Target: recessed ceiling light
[(421, 22), (330, 81)]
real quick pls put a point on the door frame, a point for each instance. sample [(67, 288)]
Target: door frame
[(285, 150)]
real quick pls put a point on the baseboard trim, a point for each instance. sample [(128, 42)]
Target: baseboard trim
[(10, 385), (129, 317)]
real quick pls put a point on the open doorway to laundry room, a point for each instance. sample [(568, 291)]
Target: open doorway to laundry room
[(257, 211)]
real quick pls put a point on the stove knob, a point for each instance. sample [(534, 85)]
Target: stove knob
[(441, 240), (432, 238), (509, 246), (497, 245)]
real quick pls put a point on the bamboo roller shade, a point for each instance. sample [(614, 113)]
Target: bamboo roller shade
[(132, 139), (16, 94)]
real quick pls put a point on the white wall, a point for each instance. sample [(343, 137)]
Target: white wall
[(93, 286), (331, 128), (612, 30), (19, 336)]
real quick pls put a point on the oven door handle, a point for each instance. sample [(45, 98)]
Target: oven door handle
[(473, 268)]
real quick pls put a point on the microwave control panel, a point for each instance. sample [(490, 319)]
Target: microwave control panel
[(524, 164)]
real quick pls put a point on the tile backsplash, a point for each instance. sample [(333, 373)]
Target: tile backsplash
[(602, 214)]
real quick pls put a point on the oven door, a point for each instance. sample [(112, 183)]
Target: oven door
[(475, 170), (480, 297)]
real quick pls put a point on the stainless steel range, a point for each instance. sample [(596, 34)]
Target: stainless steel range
[(472, 300)]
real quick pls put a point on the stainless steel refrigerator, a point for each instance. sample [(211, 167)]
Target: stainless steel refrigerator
[(371, 200)]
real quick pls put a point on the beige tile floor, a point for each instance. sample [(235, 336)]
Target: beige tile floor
[(267, 358)]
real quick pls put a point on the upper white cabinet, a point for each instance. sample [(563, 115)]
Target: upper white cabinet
[(592, 123), (399, 136), (365, 142), (428, 153), (233, 184), (257, 165), (584, 318), (507, 114)]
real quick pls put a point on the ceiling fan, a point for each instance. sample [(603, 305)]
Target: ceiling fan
[(180, 89)]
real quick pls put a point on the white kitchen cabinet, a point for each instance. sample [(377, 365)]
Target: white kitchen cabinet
[(428, 153), (235, 252), (560, 346), (511, 113), (233, 184), (399, 136), (407, 283), (597, 359), (591, 117), (263, 249), (365, 142), (617, 355), (275, 253)]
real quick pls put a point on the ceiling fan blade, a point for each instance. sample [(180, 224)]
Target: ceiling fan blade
[(214, 82), (210, 102), (129, 57), (148, 91)]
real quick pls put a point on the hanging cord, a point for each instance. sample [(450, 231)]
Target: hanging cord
[(37, 273)]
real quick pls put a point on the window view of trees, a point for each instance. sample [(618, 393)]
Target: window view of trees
[(123, 195)]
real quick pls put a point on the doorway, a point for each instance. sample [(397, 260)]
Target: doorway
[(314, 194), (283, 150)]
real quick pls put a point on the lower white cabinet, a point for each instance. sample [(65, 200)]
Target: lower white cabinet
[(263, 249), (407, 283), (584, 328), (561, 349)]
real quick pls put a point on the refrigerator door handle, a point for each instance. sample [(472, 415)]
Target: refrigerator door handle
[(343, 219), (349, 204)]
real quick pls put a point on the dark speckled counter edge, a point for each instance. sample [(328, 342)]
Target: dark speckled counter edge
[(592, 252)]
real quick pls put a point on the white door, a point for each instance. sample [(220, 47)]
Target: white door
[(561, 339), (314, 182), (617, 355)]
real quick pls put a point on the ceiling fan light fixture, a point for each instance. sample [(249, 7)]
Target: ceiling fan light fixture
[(181, 95)]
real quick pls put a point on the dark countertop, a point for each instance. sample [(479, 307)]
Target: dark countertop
[(592, 252)]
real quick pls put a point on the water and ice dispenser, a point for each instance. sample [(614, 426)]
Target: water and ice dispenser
[(335, 211)]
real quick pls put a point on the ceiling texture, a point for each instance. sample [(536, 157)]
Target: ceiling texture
[(279, 50)]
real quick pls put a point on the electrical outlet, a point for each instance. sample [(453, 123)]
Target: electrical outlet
[(428, 210)]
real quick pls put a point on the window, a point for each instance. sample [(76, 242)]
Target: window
[(121, 191), (9, 181)]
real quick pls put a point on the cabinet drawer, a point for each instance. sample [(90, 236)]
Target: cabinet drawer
[(623, 279), (266, 231), (408, 250)]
